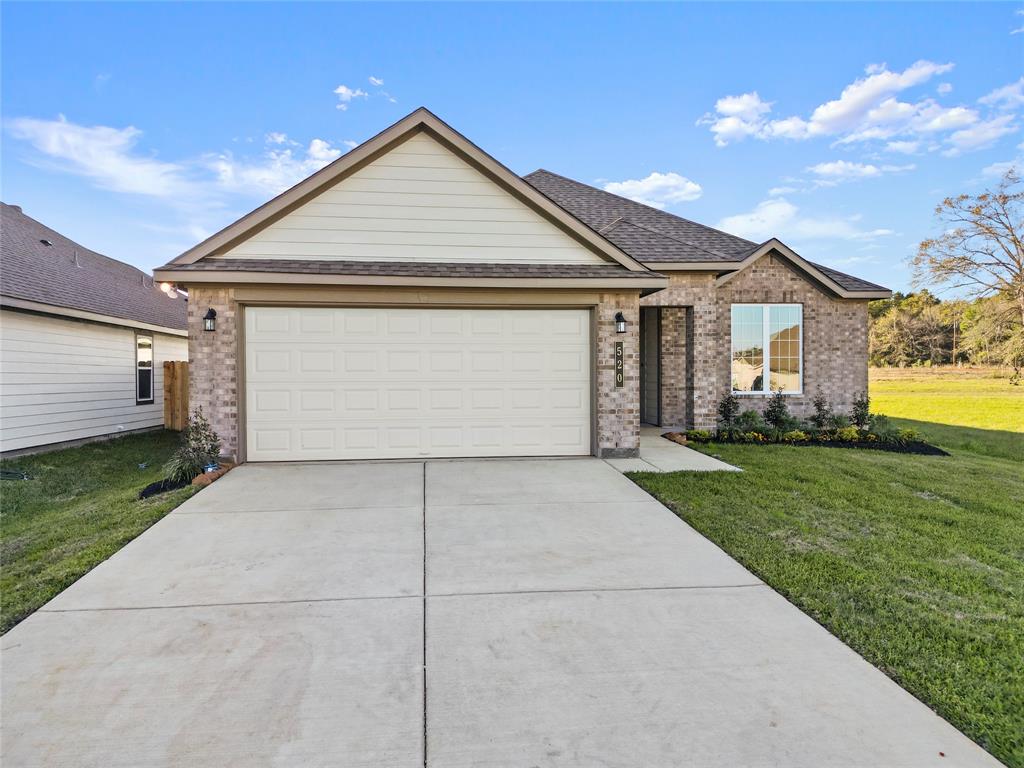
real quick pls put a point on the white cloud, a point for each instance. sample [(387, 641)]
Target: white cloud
[(781, 191), (1019, 30), (657, 190), (944, 88), (272, 173), (346, 96), (350, 144), (1007, 97), (998, 170), (979, 136), (844, 170), (903, 147), (108, 156), (376, 81), (777, 217), (869, 109)]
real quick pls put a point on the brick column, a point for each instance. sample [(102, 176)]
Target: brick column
[(212, 356), (618, 408)]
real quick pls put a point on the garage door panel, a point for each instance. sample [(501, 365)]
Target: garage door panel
[(349, 383)]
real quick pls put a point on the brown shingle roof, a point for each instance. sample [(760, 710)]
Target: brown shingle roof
[(650, 235), (66, 274), (412, 268)]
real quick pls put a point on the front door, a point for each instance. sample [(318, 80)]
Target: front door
[(650, 366)]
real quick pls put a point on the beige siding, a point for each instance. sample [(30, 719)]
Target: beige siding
[(68, 379), (419, 202)]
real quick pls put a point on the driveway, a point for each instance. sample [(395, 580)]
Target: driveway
[(446, 613)]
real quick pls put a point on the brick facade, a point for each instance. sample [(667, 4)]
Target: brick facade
[(835, 341), (618, 408), (695, 352), (212, 382)]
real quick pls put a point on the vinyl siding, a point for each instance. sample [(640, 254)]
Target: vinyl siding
[(419, 202), (67, 380)]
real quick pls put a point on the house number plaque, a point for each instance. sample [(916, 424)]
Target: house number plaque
[(620, 370)]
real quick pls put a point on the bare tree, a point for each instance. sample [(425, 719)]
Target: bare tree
[(980, 250)]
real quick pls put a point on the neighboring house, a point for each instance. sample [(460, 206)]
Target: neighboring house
[(83, 339), (415, 298)]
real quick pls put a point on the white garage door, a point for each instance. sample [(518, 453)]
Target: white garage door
[(355, 383)]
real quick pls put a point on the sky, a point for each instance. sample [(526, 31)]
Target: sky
[(140, 129)]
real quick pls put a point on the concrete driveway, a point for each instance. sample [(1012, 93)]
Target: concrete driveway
[(447, 613)]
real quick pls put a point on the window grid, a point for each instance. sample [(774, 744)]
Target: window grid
[(777, 328)]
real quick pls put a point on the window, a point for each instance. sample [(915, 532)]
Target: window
[(143, 369), (771, 333)]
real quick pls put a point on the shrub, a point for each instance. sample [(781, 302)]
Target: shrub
[(838, 421), (200, 446), (776, 412), (698, 435), (860, 415), (728, 407), (848, 434), (908, 436), (753, 437), (750, 421), (795, 436), (822, 411)]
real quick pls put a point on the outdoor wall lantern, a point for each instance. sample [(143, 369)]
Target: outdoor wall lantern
[(210, 320), (620, 323)]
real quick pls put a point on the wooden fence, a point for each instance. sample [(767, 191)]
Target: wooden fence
[(175, 394)]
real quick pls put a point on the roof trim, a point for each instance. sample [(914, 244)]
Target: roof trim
[(803, 265), (187, 277), (419, 120), (691, 266), (9, 302)]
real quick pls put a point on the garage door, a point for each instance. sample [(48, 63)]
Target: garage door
[(358, 383)]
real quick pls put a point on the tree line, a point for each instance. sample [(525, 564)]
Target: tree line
[(980, 257)]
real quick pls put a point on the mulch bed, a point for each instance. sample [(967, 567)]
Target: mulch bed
[(161, 486), (918, 448)]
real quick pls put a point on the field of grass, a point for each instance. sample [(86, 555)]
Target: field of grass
[(78, 509), (916, 562), (989, 410)]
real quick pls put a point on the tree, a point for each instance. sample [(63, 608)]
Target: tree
[(980, 250)]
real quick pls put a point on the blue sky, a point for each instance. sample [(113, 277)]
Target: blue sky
[(139, 129)]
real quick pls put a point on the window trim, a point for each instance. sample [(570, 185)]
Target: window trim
[(766, 347), (152, 369)]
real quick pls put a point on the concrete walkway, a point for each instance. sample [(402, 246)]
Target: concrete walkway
[(660, 455), (473, 613)]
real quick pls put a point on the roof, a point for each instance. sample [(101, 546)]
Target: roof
[(653, 237), (420, 119), (66, 274), (415, 268)]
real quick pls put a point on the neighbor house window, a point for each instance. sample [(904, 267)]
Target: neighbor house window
[(767, 352), (143, 369)]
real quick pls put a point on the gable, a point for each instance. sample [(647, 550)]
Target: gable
[(418, 202)]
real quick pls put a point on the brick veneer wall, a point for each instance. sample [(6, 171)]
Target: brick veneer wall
[(676, 387), (697, 292), (835, 333), (212, 381), (835, 352), (618, 408)]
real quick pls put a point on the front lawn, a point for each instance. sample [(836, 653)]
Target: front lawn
[(78, 509), (916, 562)]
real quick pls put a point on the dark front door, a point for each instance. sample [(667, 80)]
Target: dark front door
[(650, 367)]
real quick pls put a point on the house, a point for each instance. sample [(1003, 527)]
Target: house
[(82, 340), (415, 298)]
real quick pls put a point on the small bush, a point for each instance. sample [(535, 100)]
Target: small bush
[(837, 421), (848, 434), (822, 411), (750, 421), (908, 436), (698, 435), (728, 407), (776, 412), (200, 446), (754, 437), (795, 436), (860, 415)]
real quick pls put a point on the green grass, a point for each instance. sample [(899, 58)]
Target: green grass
[(967, 409), (78, 509), (916, 562)]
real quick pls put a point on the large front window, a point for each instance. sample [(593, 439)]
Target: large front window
[(766, 348)]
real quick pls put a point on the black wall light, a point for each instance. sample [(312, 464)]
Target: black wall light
[(210, 320), (620, 322)]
